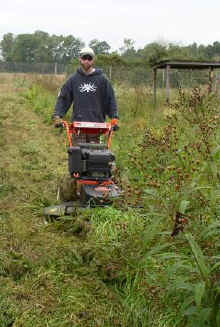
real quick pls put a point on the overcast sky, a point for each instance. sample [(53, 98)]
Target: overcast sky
[(144, 21)]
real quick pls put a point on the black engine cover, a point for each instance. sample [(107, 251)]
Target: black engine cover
[(90, 162), (75, 160)]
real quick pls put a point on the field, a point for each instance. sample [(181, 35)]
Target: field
[(150, 260)]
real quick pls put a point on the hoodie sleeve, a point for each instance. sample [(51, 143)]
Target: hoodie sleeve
[(64, 100), (111, 105)]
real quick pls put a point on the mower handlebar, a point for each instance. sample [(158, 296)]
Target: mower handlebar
[(89, 127), (94, 128)]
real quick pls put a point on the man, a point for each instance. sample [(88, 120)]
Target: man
[(89, 91), (93, 99)]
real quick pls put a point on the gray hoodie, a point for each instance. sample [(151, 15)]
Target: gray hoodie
[(92, 97)]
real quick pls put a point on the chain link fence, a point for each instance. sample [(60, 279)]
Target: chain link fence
[(130, 75), (38, 68)]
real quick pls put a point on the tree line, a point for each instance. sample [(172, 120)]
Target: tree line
[(40, 47)]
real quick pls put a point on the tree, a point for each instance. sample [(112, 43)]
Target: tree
[(43, 51), (25, 47), (128, 50), (99, 47), (40, 47), (64, 49), (202, 52), (175, 51), (112, 60), (193, 50), (7, 47), (70, 48), (216, 50), (154, 52)]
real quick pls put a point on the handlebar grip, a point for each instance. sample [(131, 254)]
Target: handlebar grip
[(115, 128), (59, 125)]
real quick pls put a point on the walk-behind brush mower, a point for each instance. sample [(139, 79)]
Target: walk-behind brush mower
[(90, 166)]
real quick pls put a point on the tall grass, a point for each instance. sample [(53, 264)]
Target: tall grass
[(152, 259)]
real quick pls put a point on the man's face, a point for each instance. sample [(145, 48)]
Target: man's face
[(86, 62)]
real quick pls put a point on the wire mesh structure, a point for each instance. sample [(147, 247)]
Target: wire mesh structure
[(139, 75), (203, 69), (41, 68)]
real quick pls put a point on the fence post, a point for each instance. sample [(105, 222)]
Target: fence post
[(110, 72), (211, 77), (155, 86), (167, 83), (55, 68)]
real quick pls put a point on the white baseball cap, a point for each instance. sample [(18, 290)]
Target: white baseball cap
[(87, 51)]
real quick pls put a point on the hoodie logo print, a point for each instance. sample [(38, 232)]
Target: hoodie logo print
[(87, 87)]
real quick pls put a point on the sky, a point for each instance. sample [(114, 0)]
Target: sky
[(144, 21)]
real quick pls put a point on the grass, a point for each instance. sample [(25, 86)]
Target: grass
[(152, 259)]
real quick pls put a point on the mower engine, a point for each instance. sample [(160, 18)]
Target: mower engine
[(91, 164), (91, 161)]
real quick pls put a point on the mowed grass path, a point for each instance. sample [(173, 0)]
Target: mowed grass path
[(30, 156), (43, 279)]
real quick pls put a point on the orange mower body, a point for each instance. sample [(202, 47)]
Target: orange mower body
[(90, 165)]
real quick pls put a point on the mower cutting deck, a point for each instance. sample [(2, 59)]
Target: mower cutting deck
[(90, 166)]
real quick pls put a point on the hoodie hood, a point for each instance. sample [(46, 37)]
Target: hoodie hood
[(97, 71)]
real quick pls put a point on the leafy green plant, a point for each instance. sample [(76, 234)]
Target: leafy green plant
[(117, 266), (206, 292), (193, 281)]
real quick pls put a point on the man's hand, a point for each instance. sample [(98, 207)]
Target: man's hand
[(114, 123), (57, 121)]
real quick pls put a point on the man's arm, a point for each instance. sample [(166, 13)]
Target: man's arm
[(64, 100)]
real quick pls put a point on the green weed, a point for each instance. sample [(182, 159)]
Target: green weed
[(152, 259)]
